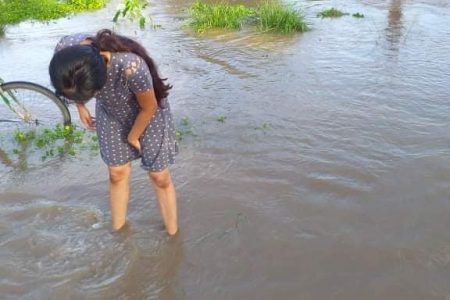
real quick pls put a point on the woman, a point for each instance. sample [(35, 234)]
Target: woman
[(132, 114)]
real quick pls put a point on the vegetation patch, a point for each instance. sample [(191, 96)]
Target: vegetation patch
[(58, 142), (208, 16), (270, 16), (15, 11), (221, 119), (184, 129), (133, 10), (279, 18), (331, 13), (358, 15)]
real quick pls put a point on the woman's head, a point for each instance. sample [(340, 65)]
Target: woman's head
[(78, 72)]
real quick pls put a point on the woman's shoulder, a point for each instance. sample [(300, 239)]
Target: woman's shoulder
[(128, 62), (125, 58)]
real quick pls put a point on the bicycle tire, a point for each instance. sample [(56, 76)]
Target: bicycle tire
[(15, 86)]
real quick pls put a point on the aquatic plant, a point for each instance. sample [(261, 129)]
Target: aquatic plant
[(221, 119), (264, 126), (358, 15), (273, 16), (58, 141), (184, 129), (207, 16), (133, 9), (331, 13), (16, 11)]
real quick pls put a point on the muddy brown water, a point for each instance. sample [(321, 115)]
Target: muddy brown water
[(328, 179)]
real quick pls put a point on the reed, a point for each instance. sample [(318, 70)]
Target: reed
[(208, 16), (331, 13), (273, 16)]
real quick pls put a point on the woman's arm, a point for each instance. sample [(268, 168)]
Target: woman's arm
[(147, 102), (85, 116)]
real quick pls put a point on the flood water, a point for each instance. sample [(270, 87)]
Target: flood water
[(329, 177)]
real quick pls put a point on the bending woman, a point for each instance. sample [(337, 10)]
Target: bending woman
[(132, 114)]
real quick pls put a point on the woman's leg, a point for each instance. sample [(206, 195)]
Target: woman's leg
[(119, 194), (165, 192)]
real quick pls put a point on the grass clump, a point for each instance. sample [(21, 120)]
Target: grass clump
[(331, 13), (16, 11), (207, 16), (279, 18), (184, 129), (358, 15), (270, 16), (221, 119)]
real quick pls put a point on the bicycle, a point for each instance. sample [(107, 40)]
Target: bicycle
[(29, 107), (32, 104)]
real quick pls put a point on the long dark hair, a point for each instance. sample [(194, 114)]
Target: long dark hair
[(106, 40), (78, 72)]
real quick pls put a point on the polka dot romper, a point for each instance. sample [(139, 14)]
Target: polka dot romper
[(116, 109)]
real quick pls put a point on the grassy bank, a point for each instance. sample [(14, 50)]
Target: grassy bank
[(270, 16), (16, 11)]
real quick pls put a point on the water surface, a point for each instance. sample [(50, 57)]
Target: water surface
[(328, 179)]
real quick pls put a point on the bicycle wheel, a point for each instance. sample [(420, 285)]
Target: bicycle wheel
[(31, 104)]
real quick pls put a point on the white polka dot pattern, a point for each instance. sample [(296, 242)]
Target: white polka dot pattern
[(117, 108)]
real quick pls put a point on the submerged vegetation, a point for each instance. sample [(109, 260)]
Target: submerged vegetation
[(358, 15), (15, 11), (271, 16), (331, 13), (60, 141), (184, 129)]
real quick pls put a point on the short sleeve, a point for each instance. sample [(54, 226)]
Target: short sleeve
[(138, 75), (71, 40)]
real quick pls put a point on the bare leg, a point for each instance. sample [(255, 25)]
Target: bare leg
[(119, 194), (165, 192)]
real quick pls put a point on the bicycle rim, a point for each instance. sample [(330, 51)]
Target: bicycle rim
[(25, 104)]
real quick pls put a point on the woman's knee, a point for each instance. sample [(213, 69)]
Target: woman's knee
[(119, 174), (161, 179)]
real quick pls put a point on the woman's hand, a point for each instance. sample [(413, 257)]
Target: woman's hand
[(135, 143), (148, 105), (85, 117)]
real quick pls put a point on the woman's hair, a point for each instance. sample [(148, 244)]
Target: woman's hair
[(106, 40), (78, 72)]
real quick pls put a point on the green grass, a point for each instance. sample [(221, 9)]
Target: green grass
[(358, 15), (279, 18), (58, 141), (207, 16), (221, 119), (331, 13), (16, 11), (270, 16), (184, 129)]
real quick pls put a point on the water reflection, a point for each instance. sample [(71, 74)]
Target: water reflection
[(394, 30), (155, 276)]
